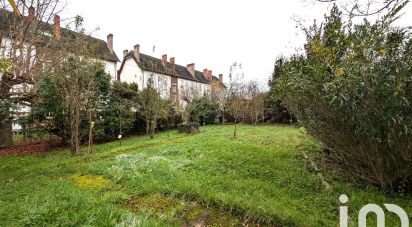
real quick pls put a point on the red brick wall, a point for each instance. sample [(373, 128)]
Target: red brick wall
[(174, 94)]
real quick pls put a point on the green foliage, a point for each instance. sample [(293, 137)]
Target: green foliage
[(170, 115), (151, 107), (5, 107), (275, 110), (353, 91), (50, 107), (203, 110), (119, 113), (5, 65)]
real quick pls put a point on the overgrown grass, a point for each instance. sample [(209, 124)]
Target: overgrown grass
[(208, 179)]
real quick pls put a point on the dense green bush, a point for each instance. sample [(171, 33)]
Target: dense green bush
[(171, 115), (113, 116), (352, 89), (119, 114), (203, 110), (275, 110)]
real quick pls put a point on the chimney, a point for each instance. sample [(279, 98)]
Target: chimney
[(164, 60), (172, 62), (32, 14), (191, 69), (110, 42), (136, 52), (221, 78), (205, 73), (209, 75), (56, 27), (125, 52)]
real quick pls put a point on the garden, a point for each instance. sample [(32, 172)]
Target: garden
[(261, 178)]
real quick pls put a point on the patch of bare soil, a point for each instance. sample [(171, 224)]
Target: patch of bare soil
[(32, 148)]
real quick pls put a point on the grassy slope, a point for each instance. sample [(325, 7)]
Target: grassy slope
[(261, 176)]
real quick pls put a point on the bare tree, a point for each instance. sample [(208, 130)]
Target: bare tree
[(256, 102), (25, 41), (219, 96), (237, 109), (236, 92), (366, 8)]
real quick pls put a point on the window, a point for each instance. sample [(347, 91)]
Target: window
[(150, 78), (162, 86), (174, 88)]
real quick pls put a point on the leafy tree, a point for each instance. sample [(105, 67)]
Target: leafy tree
[(203, 110), (275, 110), (119, 114), (352, 90), (150, 107), (79, 87), (5, 107), (170, 116), (68, 100)]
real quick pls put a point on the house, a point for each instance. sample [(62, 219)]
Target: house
[(36, 51), (172, 81)]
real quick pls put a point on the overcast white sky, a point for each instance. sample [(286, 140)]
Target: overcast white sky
[(210, 33)]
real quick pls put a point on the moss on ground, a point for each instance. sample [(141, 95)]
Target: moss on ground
[(88, 181), (186, 213)]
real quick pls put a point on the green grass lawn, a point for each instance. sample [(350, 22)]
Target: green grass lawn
[(205, 179), (17, 138)]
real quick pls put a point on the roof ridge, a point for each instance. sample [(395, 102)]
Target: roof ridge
[(179, 70), (101, 54)]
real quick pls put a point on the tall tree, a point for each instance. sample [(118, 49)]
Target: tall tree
[(74, 90), (119, 113), (25, 42), (219, 95), (151, 107), (256, 102)]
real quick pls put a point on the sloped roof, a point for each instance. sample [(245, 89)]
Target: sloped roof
[(155, 65), (100, 46)]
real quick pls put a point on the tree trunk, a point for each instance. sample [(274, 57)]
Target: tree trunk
[(148, 127), (256, 118), (152, 129), (75, 124), (6, 138), (167, 128), (234, 132), (90, 133)]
